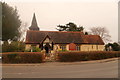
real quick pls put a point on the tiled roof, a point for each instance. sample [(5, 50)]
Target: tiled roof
[(62, 37), (94, 39)]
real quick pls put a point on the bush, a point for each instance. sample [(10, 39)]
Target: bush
[(85, 55), (60, 50), (14, 46), (36, 49), (22, 57)]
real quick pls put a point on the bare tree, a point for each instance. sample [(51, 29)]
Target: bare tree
[(23, 29), (102, 32)]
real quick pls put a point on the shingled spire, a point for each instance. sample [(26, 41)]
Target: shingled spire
[(34, 25)]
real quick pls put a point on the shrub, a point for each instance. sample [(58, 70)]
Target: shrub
[(22, 57), (14, 46), (60, 50), (27, 50), (36, 49), (13, 58), (85, 55)]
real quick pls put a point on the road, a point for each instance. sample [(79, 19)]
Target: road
[(63, 70)]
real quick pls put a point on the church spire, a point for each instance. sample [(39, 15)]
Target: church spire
[(34, 25)]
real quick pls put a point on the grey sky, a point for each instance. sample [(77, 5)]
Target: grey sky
[(88, 14)]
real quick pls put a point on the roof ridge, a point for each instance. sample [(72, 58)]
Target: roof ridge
[(91, 35), (56, 31)]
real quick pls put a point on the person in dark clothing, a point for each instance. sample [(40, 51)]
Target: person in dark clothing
[(47, 48)]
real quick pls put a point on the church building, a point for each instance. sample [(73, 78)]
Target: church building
[(61, 40)]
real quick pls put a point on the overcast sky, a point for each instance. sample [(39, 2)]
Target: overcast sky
[(87, 13)]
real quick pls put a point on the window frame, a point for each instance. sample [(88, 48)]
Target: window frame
[(63, 47), (78, 47)]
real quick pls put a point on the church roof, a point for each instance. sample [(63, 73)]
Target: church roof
[(94, 39), (34, 25), (61, 37)]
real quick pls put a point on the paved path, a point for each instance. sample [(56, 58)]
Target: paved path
[(63, 70)]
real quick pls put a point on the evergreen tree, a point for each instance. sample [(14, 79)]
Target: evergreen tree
[(70, 27), (10, 23), (115, 46)]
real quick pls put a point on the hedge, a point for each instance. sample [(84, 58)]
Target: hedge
[(22, 57), (86, 55)]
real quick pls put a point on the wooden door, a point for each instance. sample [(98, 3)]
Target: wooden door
[(72, 46)]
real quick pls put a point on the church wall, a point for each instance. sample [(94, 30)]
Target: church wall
[(83, 47), (67, 47), (37, 45), (92, 47), (56, 47), (27, 47), (101, 47)]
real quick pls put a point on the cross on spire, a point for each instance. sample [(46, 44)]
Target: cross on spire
[(34, 25)]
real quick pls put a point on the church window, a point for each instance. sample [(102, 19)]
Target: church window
[(78, 47), (63, 47)]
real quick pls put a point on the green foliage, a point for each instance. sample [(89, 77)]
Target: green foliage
[(35, 49), (10, 23), (14, 46), (70, 27), (27, 50), (62, 50), (13, 58), (12, 55), (86, 55), (115, 46), (22, 57)]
